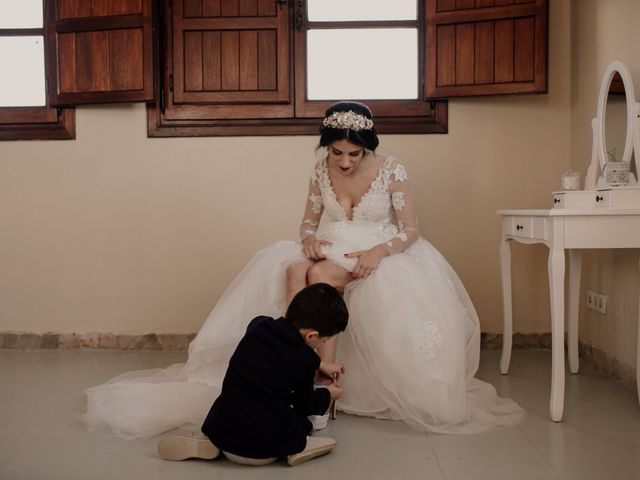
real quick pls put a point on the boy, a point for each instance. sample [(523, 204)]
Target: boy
[(268, 390)]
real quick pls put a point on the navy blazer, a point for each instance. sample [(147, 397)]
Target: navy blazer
[(267, 393)]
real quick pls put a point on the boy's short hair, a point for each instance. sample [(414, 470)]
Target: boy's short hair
[(319, 307)]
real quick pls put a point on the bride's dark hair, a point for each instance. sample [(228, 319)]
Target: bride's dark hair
[(367, 138)]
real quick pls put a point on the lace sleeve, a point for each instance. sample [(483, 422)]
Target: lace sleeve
[(313, 209), (403, 207)]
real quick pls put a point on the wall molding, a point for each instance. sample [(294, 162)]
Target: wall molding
[(609, 365), (180, 341), (95, 341), (493, 341)]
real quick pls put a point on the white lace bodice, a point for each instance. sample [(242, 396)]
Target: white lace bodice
[(374, 205), (387, 202)]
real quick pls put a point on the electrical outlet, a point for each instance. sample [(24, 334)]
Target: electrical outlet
[(596, 301)]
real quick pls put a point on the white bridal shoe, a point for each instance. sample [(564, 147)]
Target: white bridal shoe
[(179, 447)]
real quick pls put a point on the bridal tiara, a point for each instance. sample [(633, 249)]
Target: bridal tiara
[(349, 120)]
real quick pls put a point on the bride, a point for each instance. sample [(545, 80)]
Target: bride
[(413, 342)]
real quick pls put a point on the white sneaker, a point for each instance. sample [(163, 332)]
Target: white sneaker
[(319, 421)]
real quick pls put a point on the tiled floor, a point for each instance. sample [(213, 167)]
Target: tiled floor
[(42, 437)]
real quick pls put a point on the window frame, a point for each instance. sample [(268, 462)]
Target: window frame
[(36, 123), (392, 116), (394, 108)]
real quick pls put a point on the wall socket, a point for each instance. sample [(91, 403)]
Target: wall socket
[(596, 301)]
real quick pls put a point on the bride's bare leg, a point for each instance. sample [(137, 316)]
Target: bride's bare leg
[(328, 272), (296, 279), (327, 351), (338, 277)]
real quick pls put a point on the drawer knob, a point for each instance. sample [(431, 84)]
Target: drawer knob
[(599, 198), (519, 227), (556, 200)]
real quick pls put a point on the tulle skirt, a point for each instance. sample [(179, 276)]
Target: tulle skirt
[(411, 348)]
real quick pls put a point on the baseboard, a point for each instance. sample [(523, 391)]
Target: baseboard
[(605, 363), (180, 341), (609, 365), (89, 341), (493, 341)]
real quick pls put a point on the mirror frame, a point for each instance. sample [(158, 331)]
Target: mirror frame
[(613, 68), (632, 140)]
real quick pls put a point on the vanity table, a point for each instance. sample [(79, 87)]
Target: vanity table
[(601, 216), (560, 230)]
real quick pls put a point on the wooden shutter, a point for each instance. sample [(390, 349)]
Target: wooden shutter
[(99, 51), (230, 57), (37, 123), (486, 47)]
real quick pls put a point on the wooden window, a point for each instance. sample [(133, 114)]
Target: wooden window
[(24, 111), (238, 67), (246, 67), (241, 67)]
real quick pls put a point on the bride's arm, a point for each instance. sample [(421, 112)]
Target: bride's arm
[(309, 225), (404, 209), (313, 210), (408, 232)]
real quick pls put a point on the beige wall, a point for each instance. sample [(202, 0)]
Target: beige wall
[(602, 32), (115, 232)]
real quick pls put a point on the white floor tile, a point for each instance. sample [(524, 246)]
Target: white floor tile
[(43, 437)]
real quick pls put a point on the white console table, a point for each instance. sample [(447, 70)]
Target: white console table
[(560, 229)]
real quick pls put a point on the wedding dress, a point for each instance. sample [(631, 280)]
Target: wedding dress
[(411, 348)]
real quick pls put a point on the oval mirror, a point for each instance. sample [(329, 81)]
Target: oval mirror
[(615, 120), (615, 115)]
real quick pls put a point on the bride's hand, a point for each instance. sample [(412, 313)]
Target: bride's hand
[(312, 247), (368, 260)]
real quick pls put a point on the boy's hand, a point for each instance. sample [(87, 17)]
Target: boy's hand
[(331, 371), (335, 390)]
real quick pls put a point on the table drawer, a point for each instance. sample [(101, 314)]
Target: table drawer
[(574, 199), (602, 199), (526, 227), (620, 197), (559, 200)]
